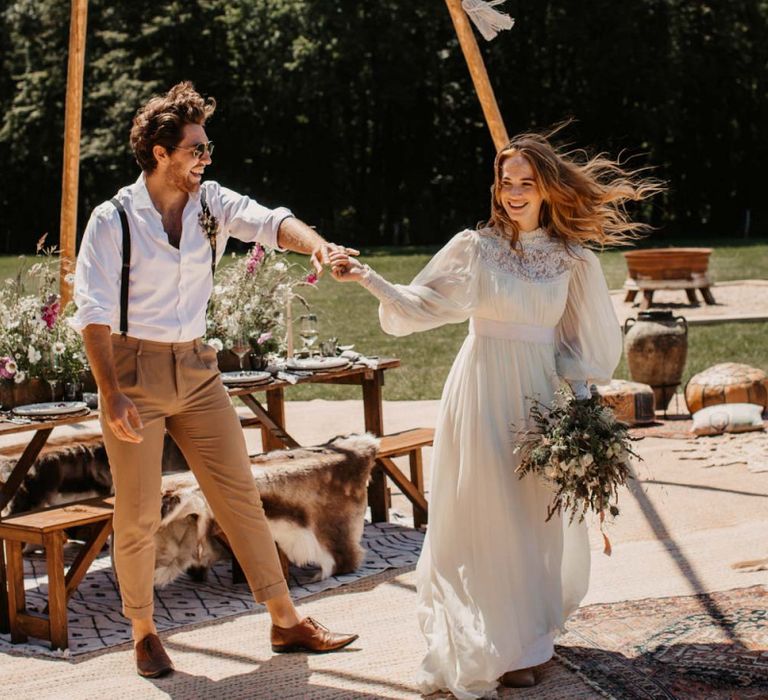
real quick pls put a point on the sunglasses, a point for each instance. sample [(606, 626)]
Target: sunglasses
[(198, 150)]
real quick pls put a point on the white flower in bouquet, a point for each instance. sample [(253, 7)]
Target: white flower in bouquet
[(19, 377), (59, 347), (216, 344), (34, 355)]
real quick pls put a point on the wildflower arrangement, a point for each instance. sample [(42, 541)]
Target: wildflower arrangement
[(581, 450), (250, 296), (33, 326)]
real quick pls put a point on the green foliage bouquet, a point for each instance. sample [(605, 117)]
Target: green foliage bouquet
[(580, 450), (34, 328), (250, 296)]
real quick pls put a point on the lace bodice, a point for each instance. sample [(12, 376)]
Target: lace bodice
[(539, 257)]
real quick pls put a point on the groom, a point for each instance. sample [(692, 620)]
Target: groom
[(144, 276)]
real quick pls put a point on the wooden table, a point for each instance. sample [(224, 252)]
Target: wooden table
[(272, 417), (668, 268)]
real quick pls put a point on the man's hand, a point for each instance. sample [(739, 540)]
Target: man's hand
[(322, 255), (122, 417)]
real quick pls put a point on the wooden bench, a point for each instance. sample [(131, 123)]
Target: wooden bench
[(409, 442), (47, 528)]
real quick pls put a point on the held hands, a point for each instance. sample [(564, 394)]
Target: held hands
[(122, 417), (346, 269), (325, 255)]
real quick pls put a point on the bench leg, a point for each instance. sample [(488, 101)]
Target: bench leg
[(631, 294), (708, 298), (17, 603), (417, 479), (647, 299), (4, 621), (57, 588), (691, 294), (378, 498)]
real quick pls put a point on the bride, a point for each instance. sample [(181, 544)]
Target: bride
[(495, 581)]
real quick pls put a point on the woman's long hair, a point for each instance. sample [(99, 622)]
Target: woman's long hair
[(584, 197)]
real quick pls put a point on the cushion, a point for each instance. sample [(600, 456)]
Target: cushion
[(631, 402), (728, 418), (728, 382)]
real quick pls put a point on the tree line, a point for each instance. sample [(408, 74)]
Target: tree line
[(362, 118)]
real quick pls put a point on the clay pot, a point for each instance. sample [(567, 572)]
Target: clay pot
[(34, 391), (6, 394), (89, 382), (656, 346)]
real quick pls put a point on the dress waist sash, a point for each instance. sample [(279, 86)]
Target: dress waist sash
[(511, 331)]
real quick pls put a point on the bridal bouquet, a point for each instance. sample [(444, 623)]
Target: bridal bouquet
[(581, 451)]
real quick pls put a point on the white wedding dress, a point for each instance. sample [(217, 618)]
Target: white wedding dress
[(495, 581)]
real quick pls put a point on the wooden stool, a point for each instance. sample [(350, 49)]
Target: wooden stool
[(409, 442), (46, 527)]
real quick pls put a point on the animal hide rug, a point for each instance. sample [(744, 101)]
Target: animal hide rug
[(314, 499)]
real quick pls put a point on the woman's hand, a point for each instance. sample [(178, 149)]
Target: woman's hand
[(345, 268)]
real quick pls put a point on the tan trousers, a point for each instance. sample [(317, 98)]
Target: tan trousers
[(176, 387)]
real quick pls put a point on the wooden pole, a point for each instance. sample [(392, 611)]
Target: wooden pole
[(71, 167), (479, 74)]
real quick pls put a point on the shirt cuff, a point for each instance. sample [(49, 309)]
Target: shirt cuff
[(83, 318), (280, 214)]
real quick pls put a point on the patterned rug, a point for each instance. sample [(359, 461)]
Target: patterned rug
[(95, 621), (712, 646)]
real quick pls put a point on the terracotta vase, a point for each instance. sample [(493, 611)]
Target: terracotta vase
[(88, 381), (6, 394), (228, 361), (656, 346), (33, 391)]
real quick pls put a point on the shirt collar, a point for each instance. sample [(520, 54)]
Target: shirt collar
[(141, 198)]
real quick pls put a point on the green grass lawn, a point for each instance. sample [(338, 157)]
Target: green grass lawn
[(349, 313)]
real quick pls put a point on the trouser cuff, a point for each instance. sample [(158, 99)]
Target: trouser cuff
[(271, 591), (141, 613)]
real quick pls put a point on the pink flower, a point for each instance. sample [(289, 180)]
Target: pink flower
[(254, 259), (263, 338), (50, 312), (7, 367), (311, 278)]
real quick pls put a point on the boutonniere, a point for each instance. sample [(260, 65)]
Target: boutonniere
[(209, 223)]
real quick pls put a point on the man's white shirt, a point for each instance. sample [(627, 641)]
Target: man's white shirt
[(169, 287)]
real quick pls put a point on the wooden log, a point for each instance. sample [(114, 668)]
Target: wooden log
[(71, 166), (479, 74)]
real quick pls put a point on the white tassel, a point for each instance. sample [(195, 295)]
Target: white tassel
[(489, 22)]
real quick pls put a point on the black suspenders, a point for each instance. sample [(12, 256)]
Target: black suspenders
[(126, 268)]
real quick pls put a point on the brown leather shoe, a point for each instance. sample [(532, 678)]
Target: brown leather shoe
[(308, 635), (151, 659), (521, 678)]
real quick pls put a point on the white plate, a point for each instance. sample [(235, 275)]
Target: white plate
[(311, 363), (55, 408), (245, 377)]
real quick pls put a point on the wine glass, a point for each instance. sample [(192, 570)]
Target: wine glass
[(241, 346), (308, 331), (54, 371)]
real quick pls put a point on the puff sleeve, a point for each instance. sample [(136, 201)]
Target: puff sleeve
[(588, 336), (445, 291)]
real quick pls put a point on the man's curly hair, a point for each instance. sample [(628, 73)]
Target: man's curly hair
[(161, 121)]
